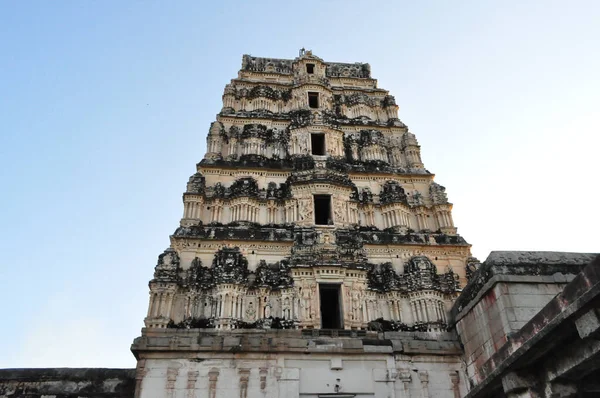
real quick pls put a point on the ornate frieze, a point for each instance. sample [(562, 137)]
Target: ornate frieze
[(419, 274), (272, 65), (237, 231), (337, 69)]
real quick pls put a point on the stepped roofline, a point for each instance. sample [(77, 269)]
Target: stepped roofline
[(285, 66)]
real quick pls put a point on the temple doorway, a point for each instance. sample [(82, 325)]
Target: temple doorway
[(331, 310)]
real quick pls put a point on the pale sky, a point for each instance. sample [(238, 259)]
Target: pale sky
[(105, 106)]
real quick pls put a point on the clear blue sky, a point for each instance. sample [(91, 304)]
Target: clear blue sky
[(105, 105)]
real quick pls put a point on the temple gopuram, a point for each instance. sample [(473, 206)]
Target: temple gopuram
[(317, 257)]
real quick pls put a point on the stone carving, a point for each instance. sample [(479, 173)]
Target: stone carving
[(260, 91), (303, 162), (473, 265), (339, 210), (438, 194), (300, 118), (416, 199), (193, 323), (321, 176), (230, 266), (198, 277), (243, 187), (382, 277), (392, 192), (241, 230), (272, 65), (305, 208), (275, 276), (419, 274), (196, 183), (336, 69), (167, 269)]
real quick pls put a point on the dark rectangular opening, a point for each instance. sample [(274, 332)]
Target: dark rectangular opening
[(310, 68), (323, 210), (313, 100), (317, 144), (331, 311)]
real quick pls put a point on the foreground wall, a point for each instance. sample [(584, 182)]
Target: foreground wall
[(522, 340), (505, 294), (67, 382), (289, 363)]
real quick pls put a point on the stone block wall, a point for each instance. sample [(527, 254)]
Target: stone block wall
[(289, 363), (67, 383), (507, 292)]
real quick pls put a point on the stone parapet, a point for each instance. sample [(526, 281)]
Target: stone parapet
[(194, 341), (555, 349), (67, 382), (519, 266)]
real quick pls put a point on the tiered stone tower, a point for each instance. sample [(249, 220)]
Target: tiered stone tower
[(311, 210)]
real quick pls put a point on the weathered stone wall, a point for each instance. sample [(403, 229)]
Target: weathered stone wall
[(67, 383), (504, 295), (291, 363)]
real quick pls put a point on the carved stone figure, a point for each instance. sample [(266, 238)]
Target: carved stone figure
[(340, 211)]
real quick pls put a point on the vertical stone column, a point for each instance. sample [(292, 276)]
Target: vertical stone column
[(171, 378), (157, 308), (151, 304), (244, 377), (454, 379), (404, 377), (263, 378), (191, 383), (424, 378), (213, 376), (443, 309), (140, 373), (413, 307), (170, 297)]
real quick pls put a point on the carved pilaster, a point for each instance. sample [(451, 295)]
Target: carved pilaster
[(171, 379), (263, 378), (191, 383), (424, 378), (140, 373), (244, 377), (455, 379), (404, 377), (213, 376)]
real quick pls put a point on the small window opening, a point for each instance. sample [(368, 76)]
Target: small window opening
[(331, 311), (317, 143), (323, 210), (310, 68), (313, 100)]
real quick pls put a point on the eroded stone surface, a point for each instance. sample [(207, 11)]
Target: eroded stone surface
[(67, 382)]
